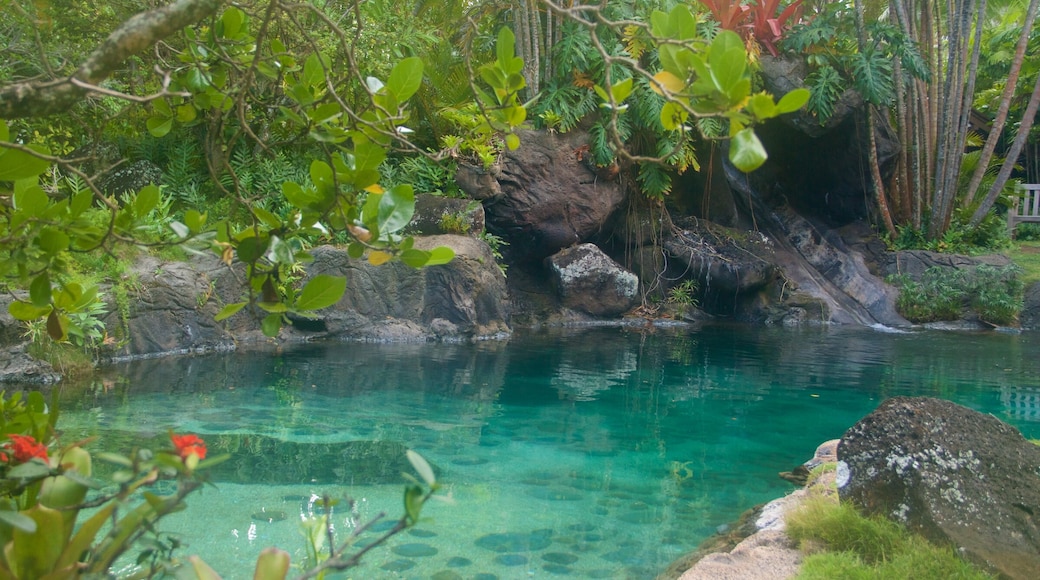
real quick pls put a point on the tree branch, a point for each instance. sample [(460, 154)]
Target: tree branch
[(38, 99)]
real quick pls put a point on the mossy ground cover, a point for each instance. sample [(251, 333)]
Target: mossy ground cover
[(1026, 254), (839, 542)]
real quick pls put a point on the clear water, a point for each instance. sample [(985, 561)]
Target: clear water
[(595, 453)]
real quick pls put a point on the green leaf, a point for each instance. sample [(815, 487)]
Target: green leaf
[(313, 73), (232, 20), (761, 106), (440, 255), (413, 502), (414, 258), (15, 165), (512, 141), (421, 467), (26, 311), (746, 151), (147, 199), (81, 202), (793, 101), (34, 554), (31, 200), (684, 24), (18, 521), (272, 564), (504, 46), (31, 469), (271, 324), (159, 126), (321, 291), (195, 220), (229, 310), (298, 196), (202, 569), (728, 61), (53, 240), (186, 113), (40, 291), (368, 155), (251, 249), (396, 208), (355, 250), (405, 78), (673, 116)]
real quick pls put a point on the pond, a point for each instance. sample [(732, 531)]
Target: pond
[(593, 453)]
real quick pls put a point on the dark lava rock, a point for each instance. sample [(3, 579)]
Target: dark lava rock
[(131, 177), (545, 196), (914, 263), (1030, 315), (589, 281), (952, 474)]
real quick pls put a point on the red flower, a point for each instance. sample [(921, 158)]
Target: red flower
[(24, 448), (188, 445)]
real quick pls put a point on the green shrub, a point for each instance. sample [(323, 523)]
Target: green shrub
[(993, 294), (1027, 232)]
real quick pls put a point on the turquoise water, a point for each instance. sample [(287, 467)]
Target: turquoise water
[(595, 453)]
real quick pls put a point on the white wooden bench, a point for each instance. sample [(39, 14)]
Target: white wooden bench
[(1026, 207)]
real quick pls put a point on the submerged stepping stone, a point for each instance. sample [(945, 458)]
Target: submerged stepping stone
[(511, 560), (582, 527), (382, 526), (485, 576), (446, 575), (624, 556), (559, 558), (516, 542), (414, 550), (638, 517), (599, 573), (557, 569), (421, 533), (398, 566), (269, 516), (469, 461), (459, 562), (555, 493)]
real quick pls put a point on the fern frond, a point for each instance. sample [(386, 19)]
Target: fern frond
[(654, 180)]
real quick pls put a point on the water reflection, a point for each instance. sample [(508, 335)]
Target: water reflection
[(617, 449)]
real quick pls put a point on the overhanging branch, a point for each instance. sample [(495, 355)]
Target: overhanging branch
[(41, 98)]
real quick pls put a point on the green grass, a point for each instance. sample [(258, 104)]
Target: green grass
[(842, 543), (1027, 256)]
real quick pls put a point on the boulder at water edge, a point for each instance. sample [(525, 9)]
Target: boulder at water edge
[(951, 474), (589, 281)]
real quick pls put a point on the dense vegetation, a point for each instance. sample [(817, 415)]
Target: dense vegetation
[(277, 127)]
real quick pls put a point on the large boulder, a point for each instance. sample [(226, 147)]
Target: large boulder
[(545, 195), (589, 281), (169, 308), (131, 177), (464, 298), (952, 474)]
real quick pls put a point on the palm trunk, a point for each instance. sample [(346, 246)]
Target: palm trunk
[(1005, 104), (1009, 162)]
